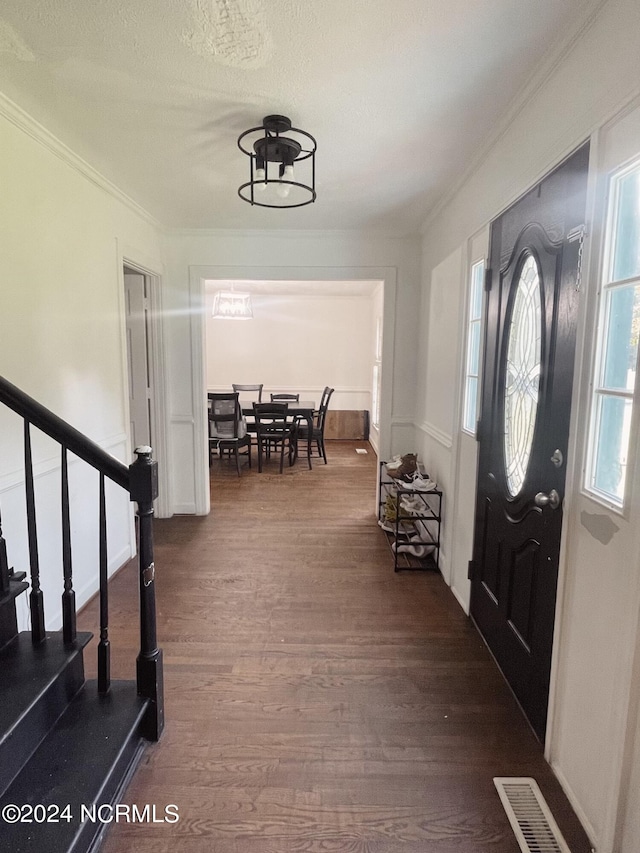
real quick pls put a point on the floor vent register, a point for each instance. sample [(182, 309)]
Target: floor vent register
[(529, 815)]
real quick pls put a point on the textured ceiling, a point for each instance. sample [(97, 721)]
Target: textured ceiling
[(399, 94)]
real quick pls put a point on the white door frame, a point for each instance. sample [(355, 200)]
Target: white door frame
[(197, 277), (155, 344)]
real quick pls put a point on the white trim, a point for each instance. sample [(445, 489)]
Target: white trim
[(575, 454), (443, 438), (575, 803), (463, 604), (153, 271), (299, 389), (198, 274), (186, 509), (291, 233), (600, 344), (36, 131)]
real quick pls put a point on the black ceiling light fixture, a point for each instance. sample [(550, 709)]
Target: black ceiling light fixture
[(273, 182)]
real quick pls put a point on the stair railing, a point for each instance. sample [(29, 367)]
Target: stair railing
[(140, 480)]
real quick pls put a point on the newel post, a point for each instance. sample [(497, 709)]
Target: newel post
[(144, 489)]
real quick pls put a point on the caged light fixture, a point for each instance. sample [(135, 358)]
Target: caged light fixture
[(272, 156), (229, 305)]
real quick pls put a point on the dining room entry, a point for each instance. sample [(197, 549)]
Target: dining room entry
[(298, 337)]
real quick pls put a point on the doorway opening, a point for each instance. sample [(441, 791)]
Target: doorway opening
[(145, 369), (385, 277), (303, 336)]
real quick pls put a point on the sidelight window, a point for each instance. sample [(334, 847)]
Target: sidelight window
[(472, 368), (617, 336)]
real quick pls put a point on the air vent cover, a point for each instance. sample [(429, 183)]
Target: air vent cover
[(535, 829)]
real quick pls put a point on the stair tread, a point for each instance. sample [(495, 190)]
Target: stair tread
[(26, 672), (83, 760)]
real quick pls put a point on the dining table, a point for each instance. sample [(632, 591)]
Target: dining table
[(303, 408)]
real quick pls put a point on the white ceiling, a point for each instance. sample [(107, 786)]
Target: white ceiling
[(400, 94)]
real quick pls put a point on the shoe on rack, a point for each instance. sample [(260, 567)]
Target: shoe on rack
[(408, 464), (404, 529), (395, 462), (412, 505), (419, 484), (415, 550)]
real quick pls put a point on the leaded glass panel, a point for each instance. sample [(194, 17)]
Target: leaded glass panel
[(522, 377)]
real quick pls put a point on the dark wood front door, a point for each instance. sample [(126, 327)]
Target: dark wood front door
[(524, 427)]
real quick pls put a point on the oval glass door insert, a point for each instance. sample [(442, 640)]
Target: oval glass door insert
[(522, 376)]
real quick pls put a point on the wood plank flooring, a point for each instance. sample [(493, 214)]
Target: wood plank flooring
[(315, 700)]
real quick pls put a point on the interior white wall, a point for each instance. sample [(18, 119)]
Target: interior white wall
[(594, 691), (377, 319), (62, 343), (437, 389), (281, 256), (295, 343)]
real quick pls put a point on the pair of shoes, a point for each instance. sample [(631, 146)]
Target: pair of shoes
[(403, 529), (390, 511), (411, 505), (406, 465), (419, 484)]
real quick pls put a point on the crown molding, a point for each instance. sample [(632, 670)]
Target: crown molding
[(38, 132), (282, 233), (554, 57)]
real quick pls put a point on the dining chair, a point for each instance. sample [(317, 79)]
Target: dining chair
[(317, 432), (275, 430), (255, 389), (294, 398), (250, 393), (227, 428)]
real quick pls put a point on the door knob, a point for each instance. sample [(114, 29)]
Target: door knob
[(552, 499)]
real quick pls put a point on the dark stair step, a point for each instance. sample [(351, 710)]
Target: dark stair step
[(8, 619), (36, 685), (87, 757)]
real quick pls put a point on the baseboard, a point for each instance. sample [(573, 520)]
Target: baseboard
[(575, 804), (459, 599)]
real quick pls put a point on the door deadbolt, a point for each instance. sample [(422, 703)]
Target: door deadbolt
[(557, 458), (552, 499)]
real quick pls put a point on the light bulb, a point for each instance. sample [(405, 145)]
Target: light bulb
[(260, 176), (284, 189)]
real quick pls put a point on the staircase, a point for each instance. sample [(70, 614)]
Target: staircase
[(68, 746)]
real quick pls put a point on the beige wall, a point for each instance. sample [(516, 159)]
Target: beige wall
[(296, 343)]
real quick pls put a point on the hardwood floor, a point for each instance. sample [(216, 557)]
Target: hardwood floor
[(315, 700)]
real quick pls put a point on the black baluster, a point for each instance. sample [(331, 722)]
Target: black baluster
[(68, 596), (36, 599), (104, 651), (144, 490)]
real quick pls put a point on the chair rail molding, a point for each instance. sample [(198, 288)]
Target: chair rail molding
[(443, 438)]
